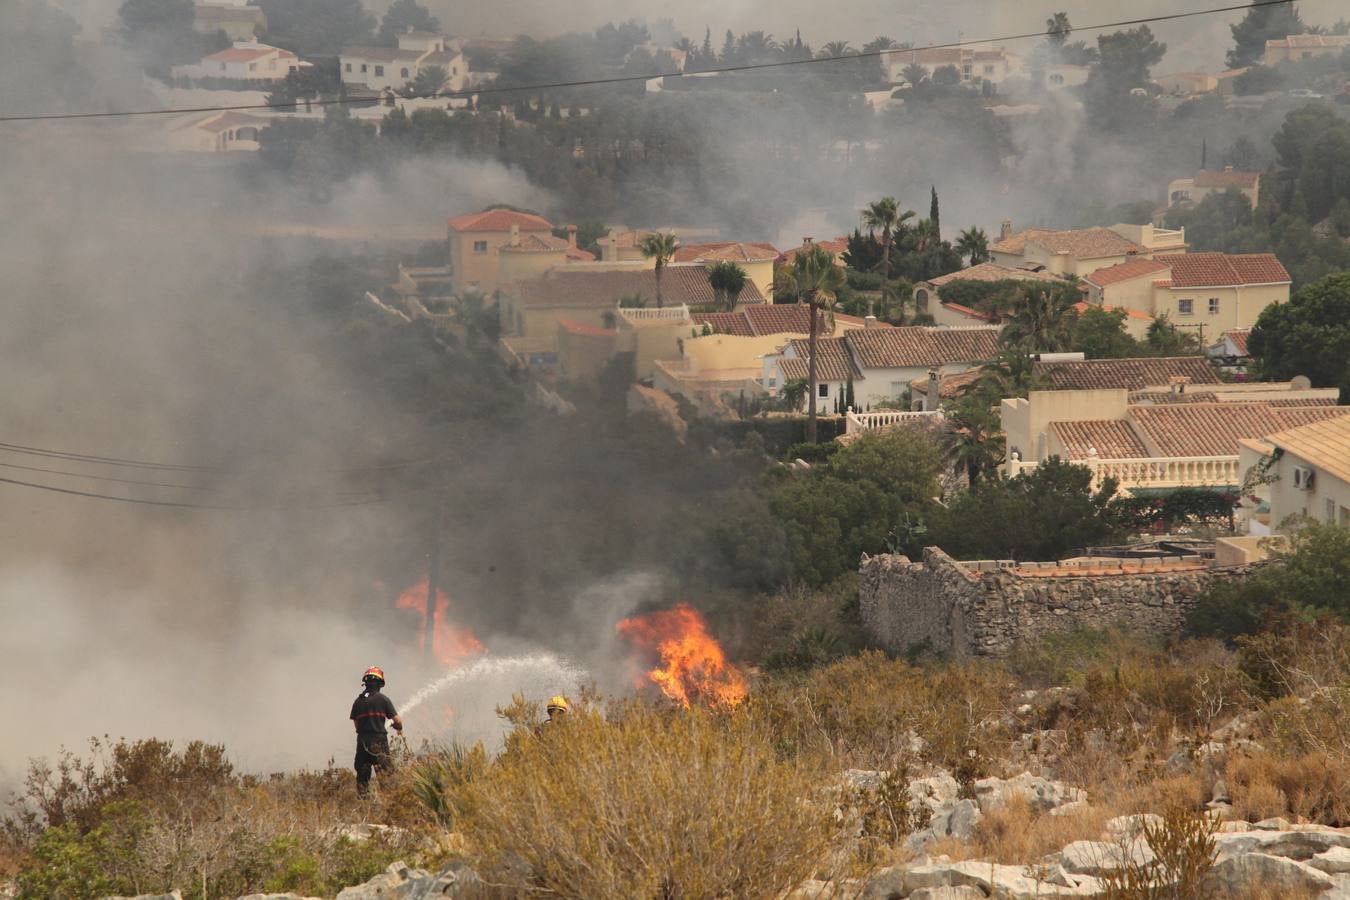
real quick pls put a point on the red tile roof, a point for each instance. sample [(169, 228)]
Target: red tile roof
[(836, 247), (1086, 243), (601, 288), (1325, 444), (1239, 338), (735, 251), (1016, 242), (1226, 178), (1126, 374), (918, 346), (991, 272), (949, 386), (499, 220), (834, 361), (764, 319), (1131, 268), (1190, 270), (970, 313), (244, 54), (1111, 438), (382, 54), (734, 323), (1215, 429)]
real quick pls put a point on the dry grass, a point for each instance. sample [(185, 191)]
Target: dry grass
[(1016, 834), (1311, 787), (648, 803)]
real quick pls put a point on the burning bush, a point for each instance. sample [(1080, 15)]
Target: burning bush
[(692, 665), (651, 803)]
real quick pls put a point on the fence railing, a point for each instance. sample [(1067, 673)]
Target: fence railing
[(1154, 472), (879, 421), (669, 313)]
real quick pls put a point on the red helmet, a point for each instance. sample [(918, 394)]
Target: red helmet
[(373, 672)]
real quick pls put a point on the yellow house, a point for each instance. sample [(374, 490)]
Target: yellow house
[(476, 239), (1212, 292), (756, 259), (1303, 471), (1081, 250), (1296, 47), (1184, 191)]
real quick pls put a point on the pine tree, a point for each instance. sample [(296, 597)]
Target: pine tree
[(729, 48), (933, 214), (1262, 23)]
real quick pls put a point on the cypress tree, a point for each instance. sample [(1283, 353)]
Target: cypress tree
[(933, 214)]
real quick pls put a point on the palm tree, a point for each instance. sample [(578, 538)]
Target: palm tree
[(1044, 319), (660, 247), (914, 74), (884, 215), (973, 242), (974, 438), (726, 279), (815, 278), (836, 49), (1058, 29)]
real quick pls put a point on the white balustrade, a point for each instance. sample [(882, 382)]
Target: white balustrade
[(1153, 472), (857, 422)]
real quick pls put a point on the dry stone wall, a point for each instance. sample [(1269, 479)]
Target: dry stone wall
[(988, 608)]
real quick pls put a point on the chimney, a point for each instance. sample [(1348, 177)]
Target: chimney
[(869, 322), (1228, 168), (515, 235), (1005, 229), (1178, 384), (610, 249), (933, 400), (807, 241), (572, 236)]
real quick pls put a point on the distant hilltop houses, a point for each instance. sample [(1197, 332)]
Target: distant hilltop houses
[(417, 53)]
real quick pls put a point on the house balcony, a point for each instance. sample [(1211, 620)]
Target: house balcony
[(673, 315), (856, 422), (1153, 472)]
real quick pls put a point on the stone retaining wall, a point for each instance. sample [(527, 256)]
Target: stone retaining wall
[(988, 608)]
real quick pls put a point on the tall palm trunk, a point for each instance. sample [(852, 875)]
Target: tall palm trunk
[(811, 370), (659, 303), (886, 241)]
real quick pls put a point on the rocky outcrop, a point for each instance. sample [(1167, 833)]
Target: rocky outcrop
[(992, 606)]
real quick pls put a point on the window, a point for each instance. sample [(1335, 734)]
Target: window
[(1213, 306), (480, 246), (349, 67), (454, 70), (824, 389), (965, 72), (1185, 307), (989, 70), (1056, 78), (379, 71), (1345, 515), (403, 73), (363, 67)]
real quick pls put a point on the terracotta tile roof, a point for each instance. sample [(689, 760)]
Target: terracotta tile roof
[(914, 346), (1309, 41), (1146, 397), (535, 242), (245, 54), (629, 238), (834, 362), (764, 319), (990, 272), (1239, 338), (1016, 243), (735, 251), (970, 313), (949, 386), (1191, 270), (1131, 268), (836, 246), (1305, 401), (600, 288), (1215, 429), (1325, 444), (499, 220), (1111, 438), (580, 328), (1129, 374), (1226, 178), (1086, 243), (1082, 307), (734, 323)]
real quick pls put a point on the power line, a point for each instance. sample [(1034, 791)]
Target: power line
[(626, 79), (92, 477), (186, 505)]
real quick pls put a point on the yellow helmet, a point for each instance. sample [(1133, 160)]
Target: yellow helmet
[(559, 702)]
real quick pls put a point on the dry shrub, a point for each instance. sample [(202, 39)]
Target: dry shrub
[(861, 711), (651, 803), (1311, 787), (1152, 792), (1016, 834), (1184, 853)]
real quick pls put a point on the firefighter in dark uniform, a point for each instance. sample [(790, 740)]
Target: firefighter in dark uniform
[(370, 712)]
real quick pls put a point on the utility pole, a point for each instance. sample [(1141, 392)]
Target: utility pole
[(434, 576)]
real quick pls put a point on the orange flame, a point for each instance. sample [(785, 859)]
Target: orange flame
[(450, 644), (693, 666)]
